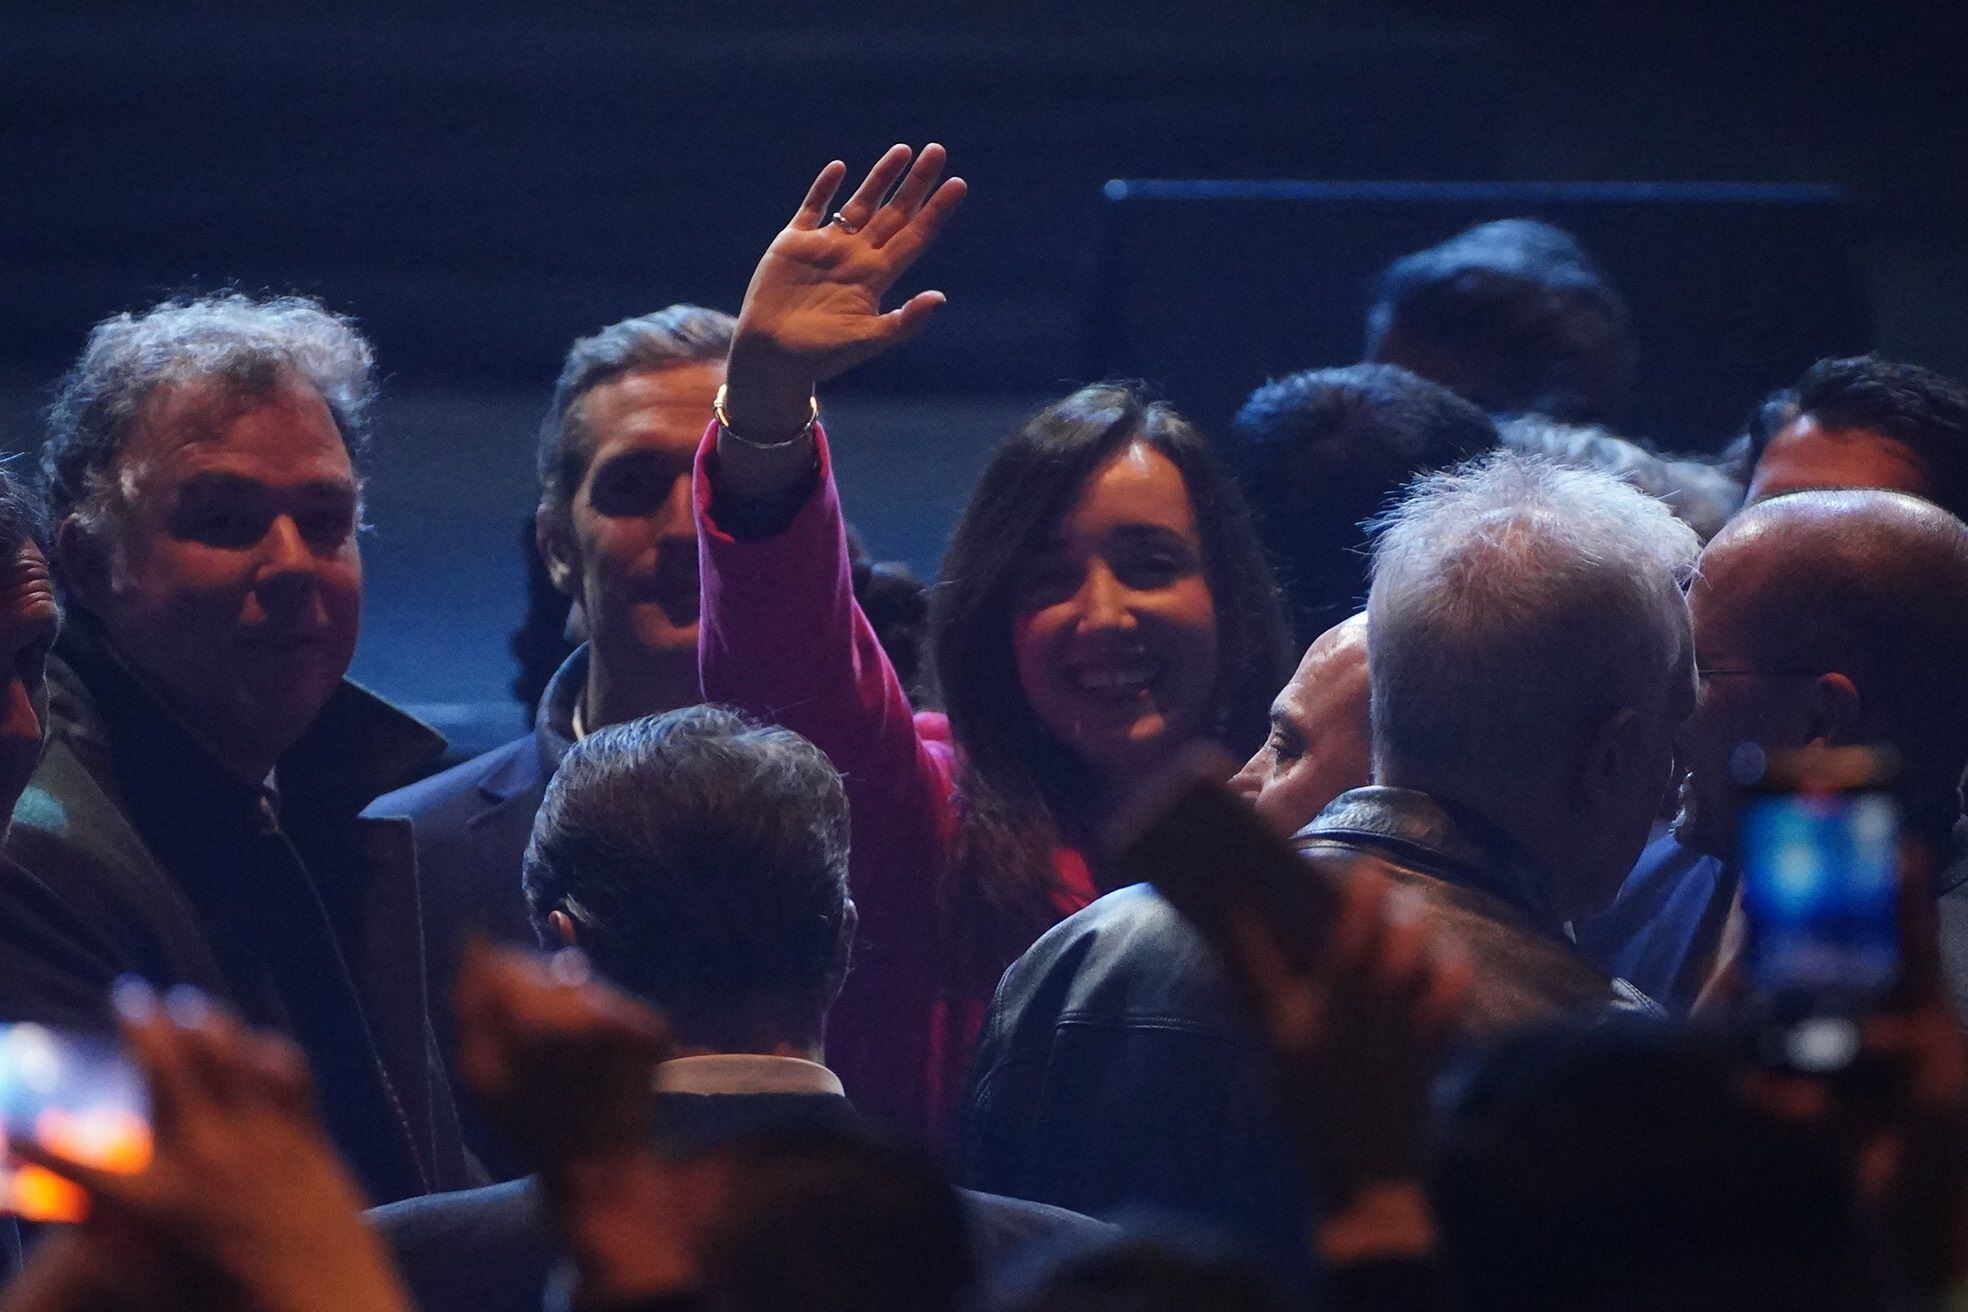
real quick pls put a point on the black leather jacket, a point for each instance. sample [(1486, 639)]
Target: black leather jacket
[(1114, 1074)]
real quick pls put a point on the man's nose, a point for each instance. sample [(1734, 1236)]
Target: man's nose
[(285, 548), (287, 563), (1249, 781), (677, 517)]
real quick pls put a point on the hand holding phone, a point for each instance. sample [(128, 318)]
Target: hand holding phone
[(79, 1097), (1821, 874)]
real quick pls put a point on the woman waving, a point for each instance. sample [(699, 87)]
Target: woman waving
[(1102, 604)]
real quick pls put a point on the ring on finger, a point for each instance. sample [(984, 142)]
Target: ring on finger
[(839, 220)]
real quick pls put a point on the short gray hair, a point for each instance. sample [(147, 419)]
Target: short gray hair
[(1515, 604), (676, 334), (1701, 494), (249, 346)]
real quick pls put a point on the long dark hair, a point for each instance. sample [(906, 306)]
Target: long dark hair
[(1023, 791)]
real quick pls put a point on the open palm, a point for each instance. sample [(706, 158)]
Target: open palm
[(815, 302)]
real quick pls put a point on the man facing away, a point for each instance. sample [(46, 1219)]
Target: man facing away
[(194, 819), (699, 860), (1529, 658)]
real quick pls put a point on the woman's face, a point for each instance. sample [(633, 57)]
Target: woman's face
[(1113, 622)]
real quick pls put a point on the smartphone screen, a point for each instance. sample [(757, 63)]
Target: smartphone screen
[(1820, 888), (79, 1096)]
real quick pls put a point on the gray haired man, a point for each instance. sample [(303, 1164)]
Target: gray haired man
[(194, 819)]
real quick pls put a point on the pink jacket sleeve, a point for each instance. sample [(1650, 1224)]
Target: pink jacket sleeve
[(782, 638)]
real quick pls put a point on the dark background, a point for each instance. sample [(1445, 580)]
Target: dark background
[(479, 184)]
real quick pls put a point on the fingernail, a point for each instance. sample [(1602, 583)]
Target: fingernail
[(570, 966), (187, 1006), (132, 998)]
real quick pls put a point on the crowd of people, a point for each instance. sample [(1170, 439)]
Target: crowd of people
[(792, 959)]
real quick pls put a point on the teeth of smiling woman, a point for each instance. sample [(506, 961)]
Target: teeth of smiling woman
[(1110, 679)]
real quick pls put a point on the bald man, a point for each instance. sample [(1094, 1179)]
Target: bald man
[(1836, 618), (1321, 740)]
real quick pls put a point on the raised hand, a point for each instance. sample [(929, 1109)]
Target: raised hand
[(814, 307), (244, 1204)]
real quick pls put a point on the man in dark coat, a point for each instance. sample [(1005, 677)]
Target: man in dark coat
[(194, 819), (700, 860)]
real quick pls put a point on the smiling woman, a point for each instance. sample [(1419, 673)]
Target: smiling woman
[(1103, 603)]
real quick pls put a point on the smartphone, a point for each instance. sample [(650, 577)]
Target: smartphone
[(1820, 866), (1208, 853), (78, 1095)]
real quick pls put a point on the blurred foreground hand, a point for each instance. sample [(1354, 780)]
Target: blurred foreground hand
[(565, 1067), (245, 1203)]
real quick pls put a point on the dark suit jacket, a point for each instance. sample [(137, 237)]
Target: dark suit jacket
[(471, 824), (139, 854), (1115, 1073), (489, 1250)]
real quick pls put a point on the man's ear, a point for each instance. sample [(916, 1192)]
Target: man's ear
[(1836, 711), (552, 535), (562, 929), (1613, 752), (82, 563)]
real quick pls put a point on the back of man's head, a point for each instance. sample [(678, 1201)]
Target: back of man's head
[(1530, 656), (1870, 584), (1864, 422), (702, 859), (1511, 315), (1700, 493), (1515, 603), (1621, 1169), (1321, 451)]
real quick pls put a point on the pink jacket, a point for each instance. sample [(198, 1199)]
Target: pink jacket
[(782, 638)]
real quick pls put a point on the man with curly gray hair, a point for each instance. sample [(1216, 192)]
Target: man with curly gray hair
[(194, 820)]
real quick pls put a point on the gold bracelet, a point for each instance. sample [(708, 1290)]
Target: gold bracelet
[(724, 423)]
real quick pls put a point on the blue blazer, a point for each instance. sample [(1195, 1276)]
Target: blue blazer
[(471, 825)]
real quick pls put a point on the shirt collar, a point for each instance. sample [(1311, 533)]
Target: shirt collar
[(555, 724), (1440, 838), (745, 1072)]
